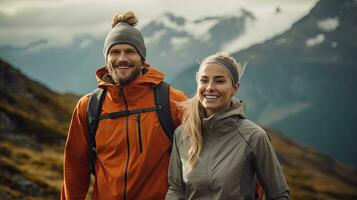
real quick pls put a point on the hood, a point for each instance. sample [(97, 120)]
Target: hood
[(133, 90), (223, 120)]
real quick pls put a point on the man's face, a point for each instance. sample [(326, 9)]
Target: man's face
[(124, 63)]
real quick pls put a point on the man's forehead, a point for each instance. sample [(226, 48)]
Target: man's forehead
[(122, 47)]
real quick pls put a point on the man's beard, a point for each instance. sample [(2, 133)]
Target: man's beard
[(134, 74), (131, 77)]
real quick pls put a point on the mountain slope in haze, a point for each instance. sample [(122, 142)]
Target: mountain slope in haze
[(303, 82), (34, 121), (33, 125)]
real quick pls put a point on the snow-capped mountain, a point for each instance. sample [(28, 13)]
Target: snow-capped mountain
[(173, 43)]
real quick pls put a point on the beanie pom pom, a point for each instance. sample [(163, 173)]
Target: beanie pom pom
[(127, 17)]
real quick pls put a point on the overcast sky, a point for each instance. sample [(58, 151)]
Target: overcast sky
[(59, 21)]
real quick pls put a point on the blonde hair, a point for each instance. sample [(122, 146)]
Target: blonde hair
[(192, 119), (127, 17), (192, 129)]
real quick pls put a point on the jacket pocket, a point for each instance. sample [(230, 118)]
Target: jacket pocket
[(139, 132)]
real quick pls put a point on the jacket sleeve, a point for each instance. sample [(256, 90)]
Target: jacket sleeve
[(269, 171), (176, 96), (76, 155), (176, 184)]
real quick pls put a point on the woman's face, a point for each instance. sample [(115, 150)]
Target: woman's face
[(215, 88)]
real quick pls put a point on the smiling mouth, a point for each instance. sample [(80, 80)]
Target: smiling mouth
[(210, 97), (122, 67)]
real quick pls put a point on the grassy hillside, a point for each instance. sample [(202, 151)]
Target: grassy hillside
[(312, 175), (33, 124)]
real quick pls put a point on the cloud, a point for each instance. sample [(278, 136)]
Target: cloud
[(85, 43), (256, 30), (328, 24), (318, 39), (56, 36)]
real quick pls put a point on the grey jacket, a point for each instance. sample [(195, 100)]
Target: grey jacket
[(235, 150)]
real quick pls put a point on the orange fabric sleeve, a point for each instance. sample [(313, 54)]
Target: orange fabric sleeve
[(76, 155)]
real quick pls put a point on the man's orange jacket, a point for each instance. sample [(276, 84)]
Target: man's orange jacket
[(122, 170)]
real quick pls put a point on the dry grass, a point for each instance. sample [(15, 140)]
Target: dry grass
[(312, 175)]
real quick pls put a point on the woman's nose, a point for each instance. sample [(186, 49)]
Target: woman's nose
[(210, 86)]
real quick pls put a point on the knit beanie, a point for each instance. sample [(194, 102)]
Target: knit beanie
[(124, 32)]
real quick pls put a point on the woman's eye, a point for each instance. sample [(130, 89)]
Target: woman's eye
[(221, 81), (203, 81)]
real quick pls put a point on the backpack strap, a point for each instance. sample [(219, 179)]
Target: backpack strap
[(114, 115), (94, 109), (162, 100)]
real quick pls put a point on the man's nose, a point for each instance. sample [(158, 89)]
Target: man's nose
[(123, 56)]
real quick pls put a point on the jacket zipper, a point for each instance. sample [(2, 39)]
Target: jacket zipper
[(127, 142), (139, 132)]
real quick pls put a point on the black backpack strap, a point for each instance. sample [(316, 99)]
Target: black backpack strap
[(95, 105), (162, 100), (114, 115)]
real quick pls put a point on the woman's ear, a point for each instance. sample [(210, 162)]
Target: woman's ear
[(235, 89)]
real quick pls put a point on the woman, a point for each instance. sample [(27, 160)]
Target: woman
[(217, 153)]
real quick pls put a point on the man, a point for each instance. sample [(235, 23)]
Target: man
[(132, 151)]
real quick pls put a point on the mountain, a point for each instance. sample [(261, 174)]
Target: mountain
[(33, 125), (302, 82), (173, 43)]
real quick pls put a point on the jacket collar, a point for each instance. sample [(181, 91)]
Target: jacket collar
[(221, 121), (134, 90)]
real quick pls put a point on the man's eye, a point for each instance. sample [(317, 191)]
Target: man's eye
[(114, 52)]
